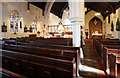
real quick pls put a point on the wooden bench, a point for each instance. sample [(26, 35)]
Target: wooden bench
[(8, 74), (54, 53), (60, 67), (57, 41), (108, 50), (104, 48), (49, 46), (114, 63)]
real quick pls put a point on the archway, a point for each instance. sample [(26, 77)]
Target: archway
[(15, 17), (95, 27)]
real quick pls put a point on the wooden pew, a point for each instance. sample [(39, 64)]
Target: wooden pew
[(63, 54), (8, 74), (99, 43), (50, 46), (66, 55), (114, 63), (55, 53), (57, 41), (60, 67), (108, 50), (104, 48), (63, 41)]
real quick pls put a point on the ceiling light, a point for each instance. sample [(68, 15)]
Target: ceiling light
[(85, 9), (107, 11), (98, 14), (21, 18), (67, 12)]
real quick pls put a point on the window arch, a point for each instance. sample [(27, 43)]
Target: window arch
[(35, 24), (14, 18)]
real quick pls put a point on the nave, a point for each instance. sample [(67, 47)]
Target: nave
[(69, 39), (36, 58)]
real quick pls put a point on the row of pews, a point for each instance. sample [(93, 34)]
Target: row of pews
[(109, 52), (39, 58), (41, 40)]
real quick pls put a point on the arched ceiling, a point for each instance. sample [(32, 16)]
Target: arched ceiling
[(105, 8)]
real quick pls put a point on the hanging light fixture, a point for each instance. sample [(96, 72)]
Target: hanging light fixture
[(28, 8)]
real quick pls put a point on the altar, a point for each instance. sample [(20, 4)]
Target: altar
[(97, 36), (58, 35)]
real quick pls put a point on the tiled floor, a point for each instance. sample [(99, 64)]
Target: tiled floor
[(90, 64)]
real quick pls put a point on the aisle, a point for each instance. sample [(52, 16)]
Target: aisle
[(91, 66)]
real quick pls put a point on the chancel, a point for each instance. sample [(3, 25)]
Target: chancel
[(60, 39)]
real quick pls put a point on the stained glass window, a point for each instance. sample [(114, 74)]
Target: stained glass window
[(35, 25), (14, 16)]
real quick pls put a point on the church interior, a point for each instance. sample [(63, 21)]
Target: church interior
[(60, 39)]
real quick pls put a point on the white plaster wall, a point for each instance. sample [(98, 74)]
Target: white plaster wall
[(28, 18), (53, 19), (113, 17), (65, 19)]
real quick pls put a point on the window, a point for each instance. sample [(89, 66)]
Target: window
[(35, 25), (14, 16)]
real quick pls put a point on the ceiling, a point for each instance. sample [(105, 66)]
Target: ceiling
[(105, 8)]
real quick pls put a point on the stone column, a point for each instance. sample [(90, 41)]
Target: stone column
[(46, 14), (77, 18), (104, 28), (1, 18), (119, 20)]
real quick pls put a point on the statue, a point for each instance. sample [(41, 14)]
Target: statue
[(4, 27), (118, 25)]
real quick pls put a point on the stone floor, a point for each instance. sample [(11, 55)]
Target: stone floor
[(90, 64)]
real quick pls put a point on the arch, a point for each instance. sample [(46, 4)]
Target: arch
[(14, 13), (91, 13), (88, 17), (15, 16), (95, 18), (95, 26)]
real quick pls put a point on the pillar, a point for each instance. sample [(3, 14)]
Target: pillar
[(1, 19), (76, 18), (104, 28), (46, 14), (76, 8)]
